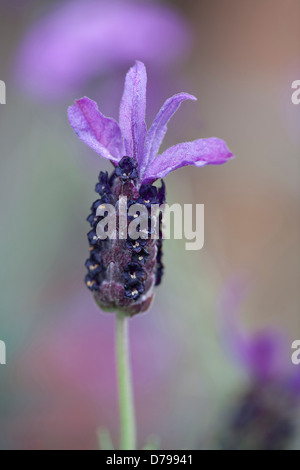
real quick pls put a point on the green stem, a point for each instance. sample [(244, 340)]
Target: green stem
[(127, 414)]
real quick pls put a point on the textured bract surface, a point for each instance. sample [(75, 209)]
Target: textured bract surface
[(122, 273)]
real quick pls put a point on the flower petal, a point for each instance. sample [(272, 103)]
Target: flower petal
[(102, 134), (200, 152), (132, 111), (158, 129)]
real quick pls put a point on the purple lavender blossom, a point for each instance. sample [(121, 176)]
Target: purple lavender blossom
[(263, 416), (122, 273), (82, 39)]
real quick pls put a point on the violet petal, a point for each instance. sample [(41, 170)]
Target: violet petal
[(212, 151), (132, 111), (158, 129), (102, 134)]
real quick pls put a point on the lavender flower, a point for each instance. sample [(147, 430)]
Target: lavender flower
[(122, 273), (82, 39), (263, 416)]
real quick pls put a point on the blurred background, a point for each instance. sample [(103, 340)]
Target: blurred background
[(200, 371)]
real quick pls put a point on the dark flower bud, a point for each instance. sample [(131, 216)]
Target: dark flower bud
[(95, 255), (93, 220), (148, 195), (136, 245), (126, 169), (134, 289), (95, 205), (133, 271), (105, 199), (93, 267), (91, 283), (92, 237), (103, 186), (140, 257)]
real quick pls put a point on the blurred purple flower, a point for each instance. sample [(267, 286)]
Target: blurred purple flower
[(82, 39), (266, 354), (263, 416)]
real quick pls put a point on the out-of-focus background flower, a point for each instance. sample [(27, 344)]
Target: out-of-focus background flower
[(239, 59)]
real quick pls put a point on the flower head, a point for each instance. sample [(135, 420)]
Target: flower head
[(133, 150), (263, 416)]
